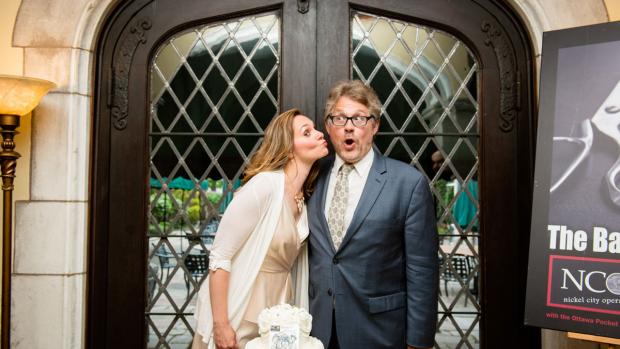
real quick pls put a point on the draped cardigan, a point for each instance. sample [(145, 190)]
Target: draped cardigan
[(264, 193)]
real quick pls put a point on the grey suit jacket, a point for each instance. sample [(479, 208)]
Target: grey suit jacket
[(382, 282)]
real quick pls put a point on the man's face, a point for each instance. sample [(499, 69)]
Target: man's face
[(437, 160), (351, 143)]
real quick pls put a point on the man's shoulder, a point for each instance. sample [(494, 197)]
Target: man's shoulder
[(401, 168)]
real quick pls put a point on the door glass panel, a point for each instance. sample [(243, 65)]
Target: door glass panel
[(427, 82), (213, 90)]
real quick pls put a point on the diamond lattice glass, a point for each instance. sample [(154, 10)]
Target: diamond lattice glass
[(427, 82), (214, 89)]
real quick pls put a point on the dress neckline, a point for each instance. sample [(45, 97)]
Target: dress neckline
[(292, 214)]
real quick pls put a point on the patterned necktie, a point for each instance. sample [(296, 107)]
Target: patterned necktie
[(339, 205)]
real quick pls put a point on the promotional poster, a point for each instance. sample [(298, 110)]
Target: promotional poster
[(574, 264)]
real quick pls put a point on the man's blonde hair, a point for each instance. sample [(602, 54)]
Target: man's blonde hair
[(357, 91)]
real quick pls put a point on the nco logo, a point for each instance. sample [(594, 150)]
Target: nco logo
[(611, 281)]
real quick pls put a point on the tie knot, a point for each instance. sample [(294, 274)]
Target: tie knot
[(345, 169)]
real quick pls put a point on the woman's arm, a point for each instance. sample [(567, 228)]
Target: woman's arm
[(238, 222), (223, 333)]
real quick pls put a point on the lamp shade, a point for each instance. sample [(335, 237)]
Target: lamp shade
[(19, 95)]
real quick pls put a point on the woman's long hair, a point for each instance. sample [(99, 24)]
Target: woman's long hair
[(276, 149)]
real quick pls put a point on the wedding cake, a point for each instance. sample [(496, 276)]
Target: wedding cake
[(284, 327)]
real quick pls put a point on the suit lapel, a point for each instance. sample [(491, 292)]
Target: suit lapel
[(374, 183), (321, 193)]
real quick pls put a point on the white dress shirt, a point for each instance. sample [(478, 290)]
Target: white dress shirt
[(357, 180)]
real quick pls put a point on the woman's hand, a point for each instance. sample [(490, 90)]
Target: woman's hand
[(224, 336)]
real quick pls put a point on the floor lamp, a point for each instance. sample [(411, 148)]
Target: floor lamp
[(18, 96)]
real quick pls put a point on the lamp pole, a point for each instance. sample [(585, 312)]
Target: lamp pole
[(19, 95), (8, 163)]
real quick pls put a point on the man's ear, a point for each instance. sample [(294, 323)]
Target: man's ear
[(377, 122)]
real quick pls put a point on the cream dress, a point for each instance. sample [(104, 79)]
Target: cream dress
[(273, 283)]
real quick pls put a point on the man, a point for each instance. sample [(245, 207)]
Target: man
[(437, 160), (373, 240)]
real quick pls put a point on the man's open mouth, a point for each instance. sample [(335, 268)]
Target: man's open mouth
[(349, 141)]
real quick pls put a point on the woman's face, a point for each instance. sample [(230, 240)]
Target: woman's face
[(308, 142)]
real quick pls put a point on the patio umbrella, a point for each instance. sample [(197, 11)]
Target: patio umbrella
[(205, 184), (155, 183), (229, 196), (181, 183)]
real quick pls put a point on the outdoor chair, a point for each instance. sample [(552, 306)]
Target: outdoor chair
[(165, 261), (197, 265), (461, 268)]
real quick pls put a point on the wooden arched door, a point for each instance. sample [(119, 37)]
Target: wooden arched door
[(185, 88)]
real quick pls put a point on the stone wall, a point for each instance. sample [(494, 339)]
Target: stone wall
[(49, 275)]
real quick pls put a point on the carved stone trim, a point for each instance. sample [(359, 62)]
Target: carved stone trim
[(134, 36), (509, 76)]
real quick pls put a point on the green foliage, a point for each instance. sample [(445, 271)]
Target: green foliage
[(165, 208), (154, 231), (214, 197), (165, 211), (445, 196), (179, 194), (194, 211)]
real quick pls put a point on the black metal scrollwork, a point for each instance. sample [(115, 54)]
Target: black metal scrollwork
[(509, 76), (123, 56), (303, 6)]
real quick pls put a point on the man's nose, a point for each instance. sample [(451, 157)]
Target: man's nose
[(348, 125)]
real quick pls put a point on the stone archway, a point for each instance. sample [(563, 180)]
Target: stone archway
[(49, 276), (50, 269), (539, 16)]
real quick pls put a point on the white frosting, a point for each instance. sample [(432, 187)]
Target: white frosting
[(284, 315)]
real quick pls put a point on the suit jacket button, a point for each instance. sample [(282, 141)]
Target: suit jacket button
[(330, 292), (335, 260)]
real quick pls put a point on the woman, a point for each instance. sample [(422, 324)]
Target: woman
[(260, 240)]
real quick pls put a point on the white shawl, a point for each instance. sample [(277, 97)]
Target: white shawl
[(262, 195)]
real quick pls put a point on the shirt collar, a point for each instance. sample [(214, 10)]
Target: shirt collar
[(362, 166)]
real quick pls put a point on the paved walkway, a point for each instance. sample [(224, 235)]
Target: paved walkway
[(179, 336)]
